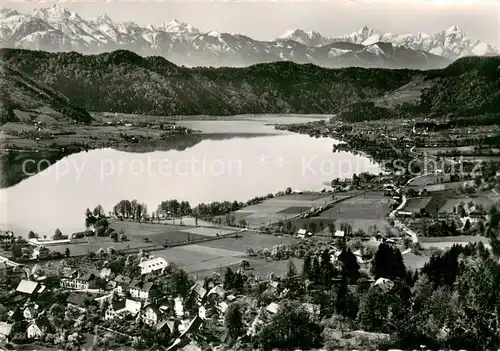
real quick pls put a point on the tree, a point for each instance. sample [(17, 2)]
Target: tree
[(307, 267), (114, 236), (350, 266), (57, 234), (181, 283), (228, 278), (233, 321), (292, 270), (17, 251), (32, 235), (245, 264), (291, 328), (67, 252), (388, 263), (467, 225)]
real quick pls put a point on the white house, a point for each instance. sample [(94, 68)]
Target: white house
[(29, 313), (82, 281), (384, 284), (301, 233), (179, 307), (118, 309), (339, 234), (36, 329), (140, 290), (273, 308), (151, 314), (157, 264)]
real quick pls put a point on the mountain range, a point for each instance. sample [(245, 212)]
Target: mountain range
[(122, 81), (56, 29)]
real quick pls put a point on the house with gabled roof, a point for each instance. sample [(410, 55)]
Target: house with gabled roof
[(199, 293), (140, 290), (171, 326), (5, 331), (119, 308), (30, 312), (154, 265), (38, 328), (28, 287), (151, 314), (79, 281)]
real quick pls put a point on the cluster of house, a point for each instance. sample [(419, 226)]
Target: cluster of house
[(81, 283)]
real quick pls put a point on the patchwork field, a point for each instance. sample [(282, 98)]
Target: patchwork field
[(160, 233), (194, 258), (251, 240), (416, 204), (258, 267), (280, 208), (360, 212), (98, 243), (483, 200)]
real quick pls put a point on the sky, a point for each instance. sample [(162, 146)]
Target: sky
[(264, 19)]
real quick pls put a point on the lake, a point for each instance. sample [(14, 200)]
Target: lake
[(247, 159)]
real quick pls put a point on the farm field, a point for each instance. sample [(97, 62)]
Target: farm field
[(95, 245), (258, 267), (279, 208), (483, 200), (429, 180), (416, 204), (195, 258), (360, 212), (247, 240), (159, 233)]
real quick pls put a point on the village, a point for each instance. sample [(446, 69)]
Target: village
[(235, 275)]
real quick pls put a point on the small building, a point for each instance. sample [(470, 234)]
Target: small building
[(384, 284), (122, 280), (199, 293), (29, 312), (37, 329), (179, 307), (154, 265), (339, 234), (170, 326), (151, 314), (273, 308), (29, 287), (217, 292), (82, 281), (120, 308), (105, 273), (140, 290), (5, 331)]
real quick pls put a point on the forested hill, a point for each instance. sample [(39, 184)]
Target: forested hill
[(22, 97), (122, 81)]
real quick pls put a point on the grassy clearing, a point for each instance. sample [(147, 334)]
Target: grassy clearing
[(247, 240), (415, 205), (435, 204), (94, 246), (258, 267), (194, 258), (155, 233)]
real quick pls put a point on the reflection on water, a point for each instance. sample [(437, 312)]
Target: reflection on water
[(213, 168)]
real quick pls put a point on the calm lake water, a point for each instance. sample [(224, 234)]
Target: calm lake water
[(252, 159)]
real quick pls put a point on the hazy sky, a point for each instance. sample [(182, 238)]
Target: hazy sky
[(267, 19)]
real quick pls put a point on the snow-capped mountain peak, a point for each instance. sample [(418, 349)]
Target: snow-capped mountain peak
[(307, 38), (57, 29)]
